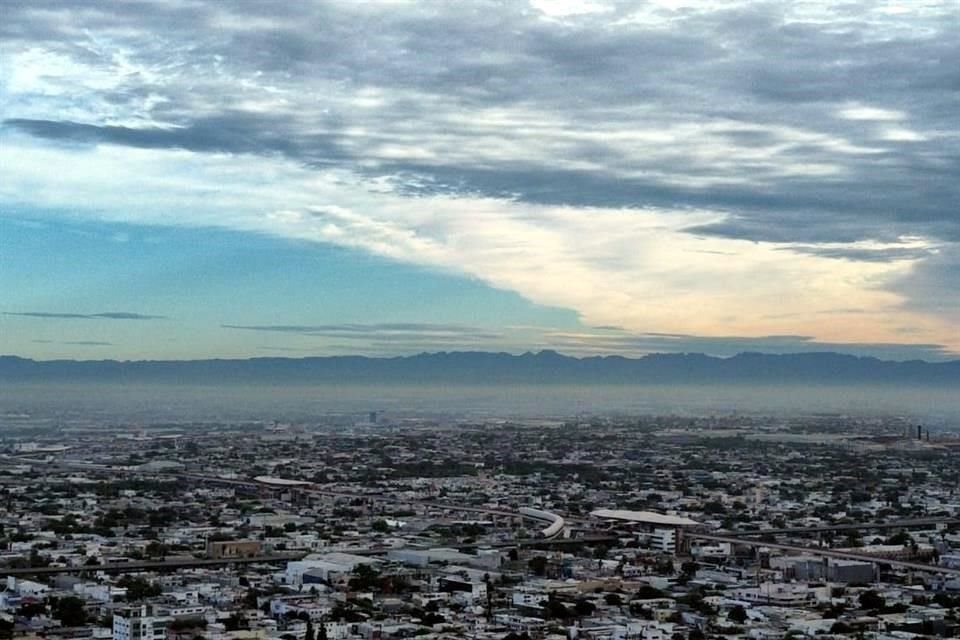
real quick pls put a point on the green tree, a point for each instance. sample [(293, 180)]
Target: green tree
[(584, 607), (840, 628), (538, 564), (138, 588), (70, 611), (737, 614), (871, 600)]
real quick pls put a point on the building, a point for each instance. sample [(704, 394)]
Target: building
[(139, 623), (233, 549), (664, 540)]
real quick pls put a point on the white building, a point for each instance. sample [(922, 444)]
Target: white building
[(99, 592), (530, 598), (139, 623), (27, 588), (664, 540)]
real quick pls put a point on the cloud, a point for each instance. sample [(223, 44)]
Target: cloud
[(379, 332), (223, 133), (107, 315), (723, 169)]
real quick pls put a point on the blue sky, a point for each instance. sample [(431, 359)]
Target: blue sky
[(186, 179), (196, 285)]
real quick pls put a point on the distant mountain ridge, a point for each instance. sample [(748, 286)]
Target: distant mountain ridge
[(478, 367)]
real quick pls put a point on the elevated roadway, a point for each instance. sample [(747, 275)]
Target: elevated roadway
[(151, 565), (850, 526), (822, 552)]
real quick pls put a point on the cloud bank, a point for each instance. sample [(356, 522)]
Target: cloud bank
[(702, 169)]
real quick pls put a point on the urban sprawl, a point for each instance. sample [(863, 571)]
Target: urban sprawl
[(376, 526)]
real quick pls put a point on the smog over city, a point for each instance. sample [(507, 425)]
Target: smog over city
[(486, 319)]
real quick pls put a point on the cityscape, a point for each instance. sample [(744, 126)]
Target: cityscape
[(479, 319), (383, 526)]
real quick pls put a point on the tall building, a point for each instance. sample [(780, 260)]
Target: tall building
[(664, 540), (139, 623)]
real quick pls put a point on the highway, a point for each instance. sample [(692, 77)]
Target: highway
[(823, 553), (349, 495), (305, 488), (152, 565), (856, 526), (190, 563)]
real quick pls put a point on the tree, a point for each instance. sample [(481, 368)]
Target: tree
[(737, 614), (310, 635), (36, 560), (646, 592), (138, 588), (538, 564), (70, 611), (555, 609), (840, 628), (250, 599), (584, 607), (871, 600), (901, 538), (31, 609), (613, 599), (714, 507), (431, 619), (364, 578), (381, 526), (236, 622)]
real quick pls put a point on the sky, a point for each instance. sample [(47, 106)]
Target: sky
[(189, 179)]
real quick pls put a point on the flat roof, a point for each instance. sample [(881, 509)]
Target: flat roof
[(648, 517)]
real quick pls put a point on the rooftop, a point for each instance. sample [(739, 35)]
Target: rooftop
[(647, 517)]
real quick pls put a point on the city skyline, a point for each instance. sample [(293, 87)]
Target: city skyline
[(193, 180)]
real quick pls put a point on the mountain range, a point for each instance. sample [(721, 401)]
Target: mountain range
[(477, 367)]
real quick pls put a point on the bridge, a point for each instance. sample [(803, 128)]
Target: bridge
[(822, 552), (151, 565), (193, 563), (849, 526)]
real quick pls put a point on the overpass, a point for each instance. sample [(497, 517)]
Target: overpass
[(555, 521), (849, 526), (822, 552), (311, 489), (151, 565), (194, 563)]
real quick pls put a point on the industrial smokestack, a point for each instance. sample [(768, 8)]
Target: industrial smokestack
[(919, 432)]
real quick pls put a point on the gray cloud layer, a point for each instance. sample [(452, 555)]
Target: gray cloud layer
[(757, 74), (818, 129)]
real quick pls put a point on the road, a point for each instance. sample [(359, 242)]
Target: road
[(856, 526), (823, 553), (152, 565)]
